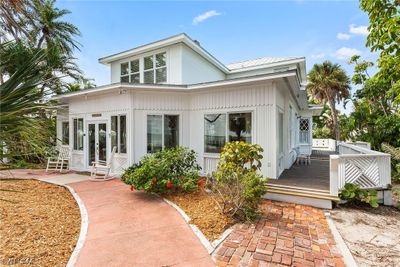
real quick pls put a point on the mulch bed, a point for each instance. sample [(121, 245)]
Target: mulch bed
[(203, 211), (40, 223)]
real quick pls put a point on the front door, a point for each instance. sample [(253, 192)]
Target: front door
[(97, 142)]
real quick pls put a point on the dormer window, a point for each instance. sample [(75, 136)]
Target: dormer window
[(155, 68), (151, 69)]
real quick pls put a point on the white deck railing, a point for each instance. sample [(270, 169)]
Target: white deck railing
[(358, 165), (324, 144), (210, 163)]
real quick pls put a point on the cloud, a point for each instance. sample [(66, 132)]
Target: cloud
[(343, 36), (320, 55), (346, 52), (202, 17), (359, 30)]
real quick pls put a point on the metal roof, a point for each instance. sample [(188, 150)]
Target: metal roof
[(258, 62)]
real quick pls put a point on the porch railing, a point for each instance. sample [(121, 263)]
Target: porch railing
[(358, 165)]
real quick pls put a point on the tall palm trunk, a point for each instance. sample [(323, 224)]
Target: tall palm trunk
[(335, 118)]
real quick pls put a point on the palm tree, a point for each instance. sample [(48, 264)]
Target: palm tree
[(329, 84), (20, 102), (51, 30)]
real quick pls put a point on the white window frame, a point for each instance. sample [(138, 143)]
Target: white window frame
[(227, 127), (74, 139), (119, 132), (162, 128), (62, 132), (155, 68), (308, 131)]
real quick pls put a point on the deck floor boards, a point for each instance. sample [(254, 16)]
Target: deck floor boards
[(315, 176)]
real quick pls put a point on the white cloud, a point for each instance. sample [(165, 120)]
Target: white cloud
[(346, 52), (343, 36), (202, 17), (359, 30), (320, 55)]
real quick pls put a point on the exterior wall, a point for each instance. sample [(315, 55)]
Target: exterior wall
[(191, 107), (286, 104), (196, 69), (105, 106)]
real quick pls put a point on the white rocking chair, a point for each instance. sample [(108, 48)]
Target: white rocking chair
[(102, 167), (58, 163)]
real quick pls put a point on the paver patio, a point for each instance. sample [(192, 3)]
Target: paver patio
[(287, 234)]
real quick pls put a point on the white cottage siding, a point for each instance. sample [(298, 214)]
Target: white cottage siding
[(196, 69)]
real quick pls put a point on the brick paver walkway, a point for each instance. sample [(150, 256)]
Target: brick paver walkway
[(287, 234)]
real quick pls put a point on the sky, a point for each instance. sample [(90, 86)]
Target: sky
[(232, 31)]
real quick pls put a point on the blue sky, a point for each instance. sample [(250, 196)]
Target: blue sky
[(231, 31)]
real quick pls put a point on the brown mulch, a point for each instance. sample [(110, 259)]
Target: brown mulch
[(39, 223), (203, 211)]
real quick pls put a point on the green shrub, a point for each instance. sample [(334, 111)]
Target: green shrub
[(172, 168), (237, 185), (355, 195)]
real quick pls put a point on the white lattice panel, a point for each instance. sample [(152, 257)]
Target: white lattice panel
[(363, 171)]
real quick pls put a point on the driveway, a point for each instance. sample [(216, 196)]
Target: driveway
[(135, 229)]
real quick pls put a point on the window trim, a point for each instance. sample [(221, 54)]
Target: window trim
[(141, 67), (62, 132), (162, 128), (75, 136), (227, 127), (119, 132)]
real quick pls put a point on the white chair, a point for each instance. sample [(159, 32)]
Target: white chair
[(102, 167), (58, 163)]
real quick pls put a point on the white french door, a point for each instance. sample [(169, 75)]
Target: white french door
[(97, 141)]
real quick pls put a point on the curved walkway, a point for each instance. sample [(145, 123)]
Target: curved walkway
[(135, 229), (127, 228)]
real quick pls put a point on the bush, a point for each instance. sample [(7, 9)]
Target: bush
[(237, 185), (172, 168), (355, 195)]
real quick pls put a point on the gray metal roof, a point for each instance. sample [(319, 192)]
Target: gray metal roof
[(258, 62)]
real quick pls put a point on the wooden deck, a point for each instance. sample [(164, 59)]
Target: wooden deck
[(314, 176)]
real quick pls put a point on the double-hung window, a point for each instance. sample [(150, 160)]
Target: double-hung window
[(162, 131), (78, 134), (155, 68), (118, 133), (65, 133), (221, 127)]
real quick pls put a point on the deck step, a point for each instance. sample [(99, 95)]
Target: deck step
[(302, 188), (301, 192)]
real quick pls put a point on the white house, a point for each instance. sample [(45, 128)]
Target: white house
[(173, 92)]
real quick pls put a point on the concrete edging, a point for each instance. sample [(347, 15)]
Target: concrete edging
[(204, 241), (344, 250), (84, 228)]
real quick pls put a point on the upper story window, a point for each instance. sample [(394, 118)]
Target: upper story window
[(155, 68), (150, 69)]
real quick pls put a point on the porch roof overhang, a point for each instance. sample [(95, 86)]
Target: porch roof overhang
[(122, 87)]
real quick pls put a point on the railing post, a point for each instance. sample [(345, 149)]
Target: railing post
[(334, 175)]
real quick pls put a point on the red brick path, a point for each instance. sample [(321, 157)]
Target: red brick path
[(287, 234)]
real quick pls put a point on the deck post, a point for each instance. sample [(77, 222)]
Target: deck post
[(334, 175)]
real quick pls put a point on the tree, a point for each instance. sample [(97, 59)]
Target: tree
[(22, 133), (329, 84), (51, 30)]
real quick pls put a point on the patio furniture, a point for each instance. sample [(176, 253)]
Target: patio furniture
[(102, 167), (58, 163), (303, 159)]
